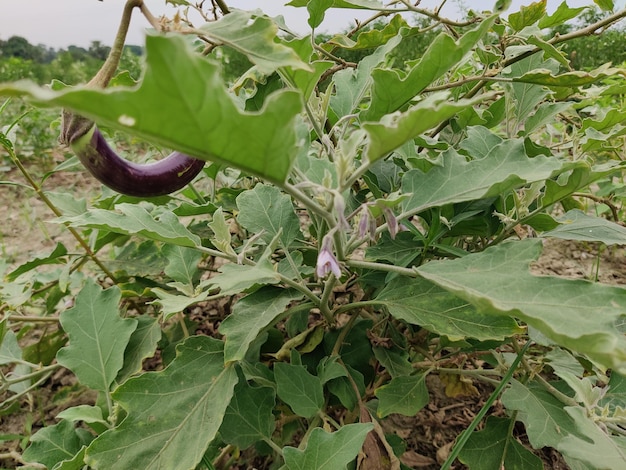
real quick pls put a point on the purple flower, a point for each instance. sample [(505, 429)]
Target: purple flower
[(326, 261), (392, 222)]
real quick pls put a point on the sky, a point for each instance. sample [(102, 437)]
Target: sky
[(60, 23)]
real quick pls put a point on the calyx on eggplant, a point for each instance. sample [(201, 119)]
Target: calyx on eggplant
[(85, 139)]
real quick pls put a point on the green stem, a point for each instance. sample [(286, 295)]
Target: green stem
[(465, 435), (382, 267)]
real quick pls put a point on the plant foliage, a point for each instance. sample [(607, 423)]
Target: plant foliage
[(354, 234)]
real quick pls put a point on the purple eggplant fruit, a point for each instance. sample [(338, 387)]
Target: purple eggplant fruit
[(132, 179)]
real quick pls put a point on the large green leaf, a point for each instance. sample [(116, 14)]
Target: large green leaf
[(142, 345), (328, 451), (544, 418), (130, 219), (598, 449), (577, 314), (265, 209), (495, 448), (182, 103), (249, 417), (505, 167), (404, 395), (250, 316), (173, 414), (301, 390), (395, 129), (391, 90), (54, 444), (576, 225), (98, 336), (420, 302)]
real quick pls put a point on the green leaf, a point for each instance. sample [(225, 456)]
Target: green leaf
[(352, 85), (405, 395), (501, 284), (330, 451), (391, 91), (400, 251), (372, 38), (86, 413), (250, 316), (544, 418), (237, 278), (265, 209), (568, 79), (142, 345), (98, 336), (172, 304), (10, 350), (255, 36), (395, 129), (298, 388), (222, 238), (494, 447), (317, 11), (53, 258), (505, 167), (605, 5), (182, 264), (54, 444), (576, 225), (135, 219), (594, 446), (394, 360), (527, 15), (562, 14), (196, 115), (420, 302), (249, 417), (360, 4), (172, 415)]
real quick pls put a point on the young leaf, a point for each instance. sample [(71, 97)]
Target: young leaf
[(501, 284), (562, 14), (494, 447), (135, 219), (98, 336), (330, 451), (86, 413), (249, 417), (265, 209), (182, 264), (528, 15), (404, 395), (196, 115), (173, 414), (54, 444), (222, 238), (423, 303), (298, 388), (250, 316)]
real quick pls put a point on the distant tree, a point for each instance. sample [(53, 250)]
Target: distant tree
[(17, 46), (99, 51)]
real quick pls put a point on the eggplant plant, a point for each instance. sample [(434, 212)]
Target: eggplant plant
[(360, 242)]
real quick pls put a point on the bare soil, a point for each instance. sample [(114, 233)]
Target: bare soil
[(429, 435)]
